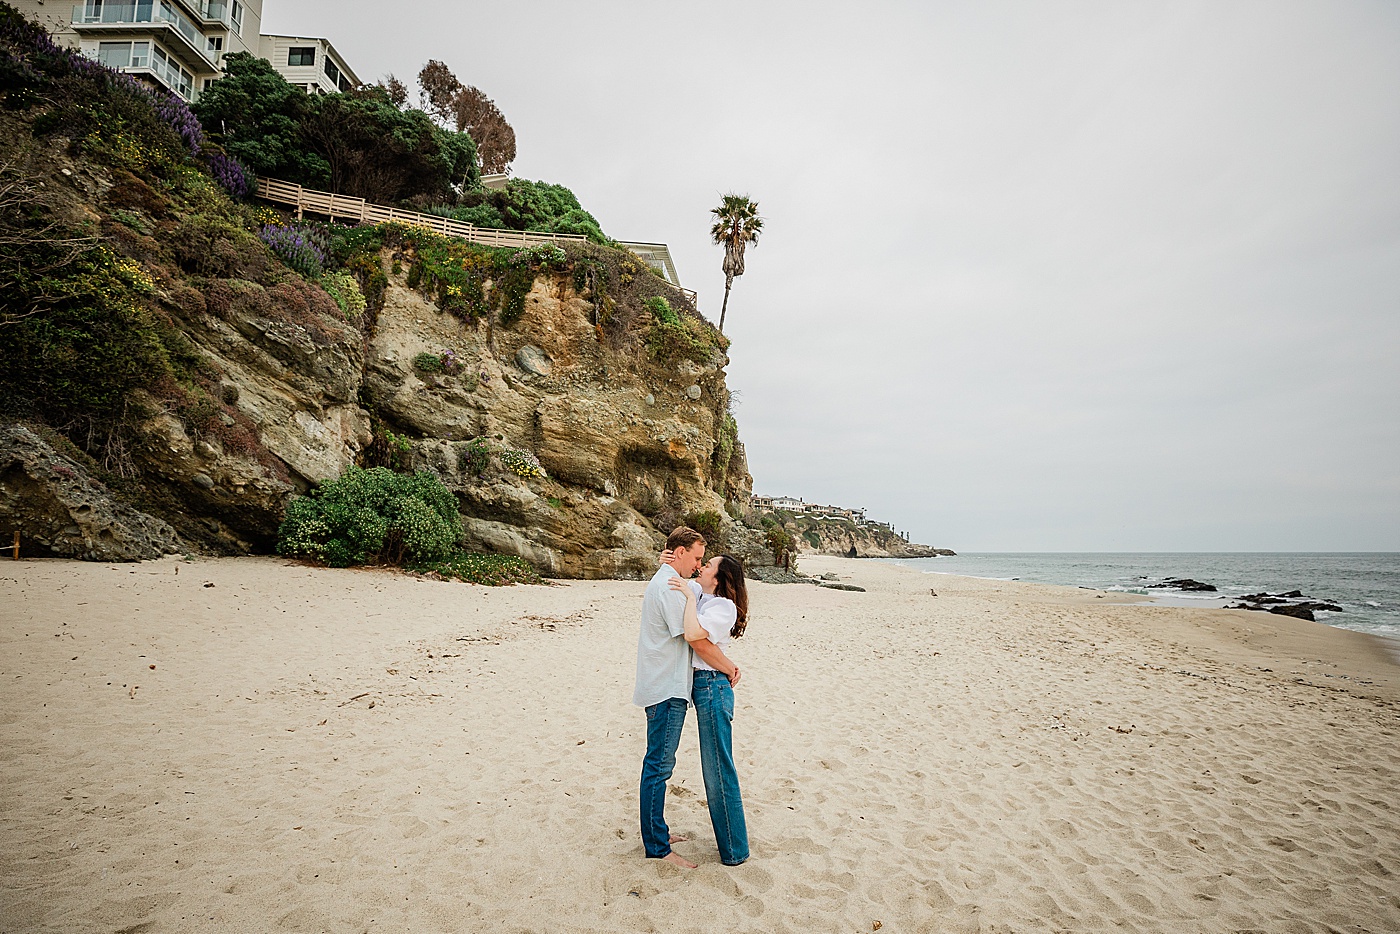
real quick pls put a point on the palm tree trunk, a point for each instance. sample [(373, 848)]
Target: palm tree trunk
[(728, 281)]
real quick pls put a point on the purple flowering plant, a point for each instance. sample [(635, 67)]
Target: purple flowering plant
[(300, 246), (175, 113), (232, 175), (30, 53)]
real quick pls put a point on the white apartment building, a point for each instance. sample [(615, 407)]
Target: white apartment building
[(180, 45)]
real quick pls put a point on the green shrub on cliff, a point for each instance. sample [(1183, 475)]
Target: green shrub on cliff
[(675, 336), (709, 524), (343, 287), (372, 516), (451, 271), (526, 205)]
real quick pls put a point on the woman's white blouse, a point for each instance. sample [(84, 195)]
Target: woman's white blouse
[(717, 616)]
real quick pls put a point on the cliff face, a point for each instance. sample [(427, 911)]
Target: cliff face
[(629, 444), (847, 539), (281, 391)]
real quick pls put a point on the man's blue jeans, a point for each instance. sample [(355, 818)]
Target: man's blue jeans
[(714, 712), (664, 722)]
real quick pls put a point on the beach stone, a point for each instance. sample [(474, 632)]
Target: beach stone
[(203, 481), (533, 360), (693, 392)]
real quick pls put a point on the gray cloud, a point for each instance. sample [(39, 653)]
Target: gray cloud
[(1064, 276)]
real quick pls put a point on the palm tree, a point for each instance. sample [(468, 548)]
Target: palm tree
[(736, 225)]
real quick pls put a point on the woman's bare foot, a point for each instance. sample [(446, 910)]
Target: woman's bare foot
[(679, 860), (679, 838)]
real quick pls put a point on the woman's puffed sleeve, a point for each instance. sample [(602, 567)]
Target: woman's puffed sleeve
[(718, 616)]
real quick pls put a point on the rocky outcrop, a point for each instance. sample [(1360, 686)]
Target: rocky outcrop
[(1292, 603), (847, 539), (279, 391), (60, 510), (625, 445), (1184, 584)]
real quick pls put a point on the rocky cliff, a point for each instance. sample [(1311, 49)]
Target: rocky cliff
[(848, 539), (253, 384)]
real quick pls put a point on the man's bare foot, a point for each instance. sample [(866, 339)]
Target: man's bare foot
[(679, 838), (679, 860)]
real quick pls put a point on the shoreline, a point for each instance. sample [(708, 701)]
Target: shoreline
[(296, 748), (1356, 581), (1376, 654), (1384, 648)]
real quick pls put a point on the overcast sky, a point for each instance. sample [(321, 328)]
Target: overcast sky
[(1102, 276)]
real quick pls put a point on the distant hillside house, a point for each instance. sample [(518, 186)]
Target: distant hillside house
[(790, 504), (312, 64), (179, 45), (657, 256)]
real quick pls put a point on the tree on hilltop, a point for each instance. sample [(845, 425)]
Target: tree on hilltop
[(737, 224), (397, 91), (360, 142), (257, 116), (470, 111)]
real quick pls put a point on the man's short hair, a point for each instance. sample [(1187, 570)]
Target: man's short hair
[(683, 537)]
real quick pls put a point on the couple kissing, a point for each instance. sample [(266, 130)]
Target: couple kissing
[(686, 627)]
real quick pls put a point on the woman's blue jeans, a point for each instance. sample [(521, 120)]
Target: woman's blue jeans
[(714, 712), (664, 722)]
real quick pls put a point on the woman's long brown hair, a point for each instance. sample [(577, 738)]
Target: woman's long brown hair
[(729, 583)]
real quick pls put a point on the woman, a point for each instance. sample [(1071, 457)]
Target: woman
[(717, 610)]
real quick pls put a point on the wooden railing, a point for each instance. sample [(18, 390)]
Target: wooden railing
[(345, 207)]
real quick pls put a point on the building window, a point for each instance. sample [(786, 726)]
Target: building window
[(345, 84), (114, 54), (301, 55), (124, 54), (216, 43), (332, 72), (118, 11), (237, 18), (170, 71)]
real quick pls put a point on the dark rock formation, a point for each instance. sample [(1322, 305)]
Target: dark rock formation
[(1186, 584), (1292, 603), (60, 510), (1297, 612)]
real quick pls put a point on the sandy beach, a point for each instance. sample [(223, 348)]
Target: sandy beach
[(251, 745)]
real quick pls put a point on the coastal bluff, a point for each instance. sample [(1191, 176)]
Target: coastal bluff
[(573, 432)]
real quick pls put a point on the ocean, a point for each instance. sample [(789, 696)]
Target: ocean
[(1365, 585)]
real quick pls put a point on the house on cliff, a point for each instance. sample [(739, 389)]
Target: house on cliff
[(797, 505), (180, 45)]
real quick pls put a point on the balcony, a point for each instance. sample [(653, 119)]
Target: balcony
[(225, 13), (149, 17), (145, 57)]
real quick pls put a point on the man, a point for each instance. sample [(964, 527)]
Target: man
[(664, 672)]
